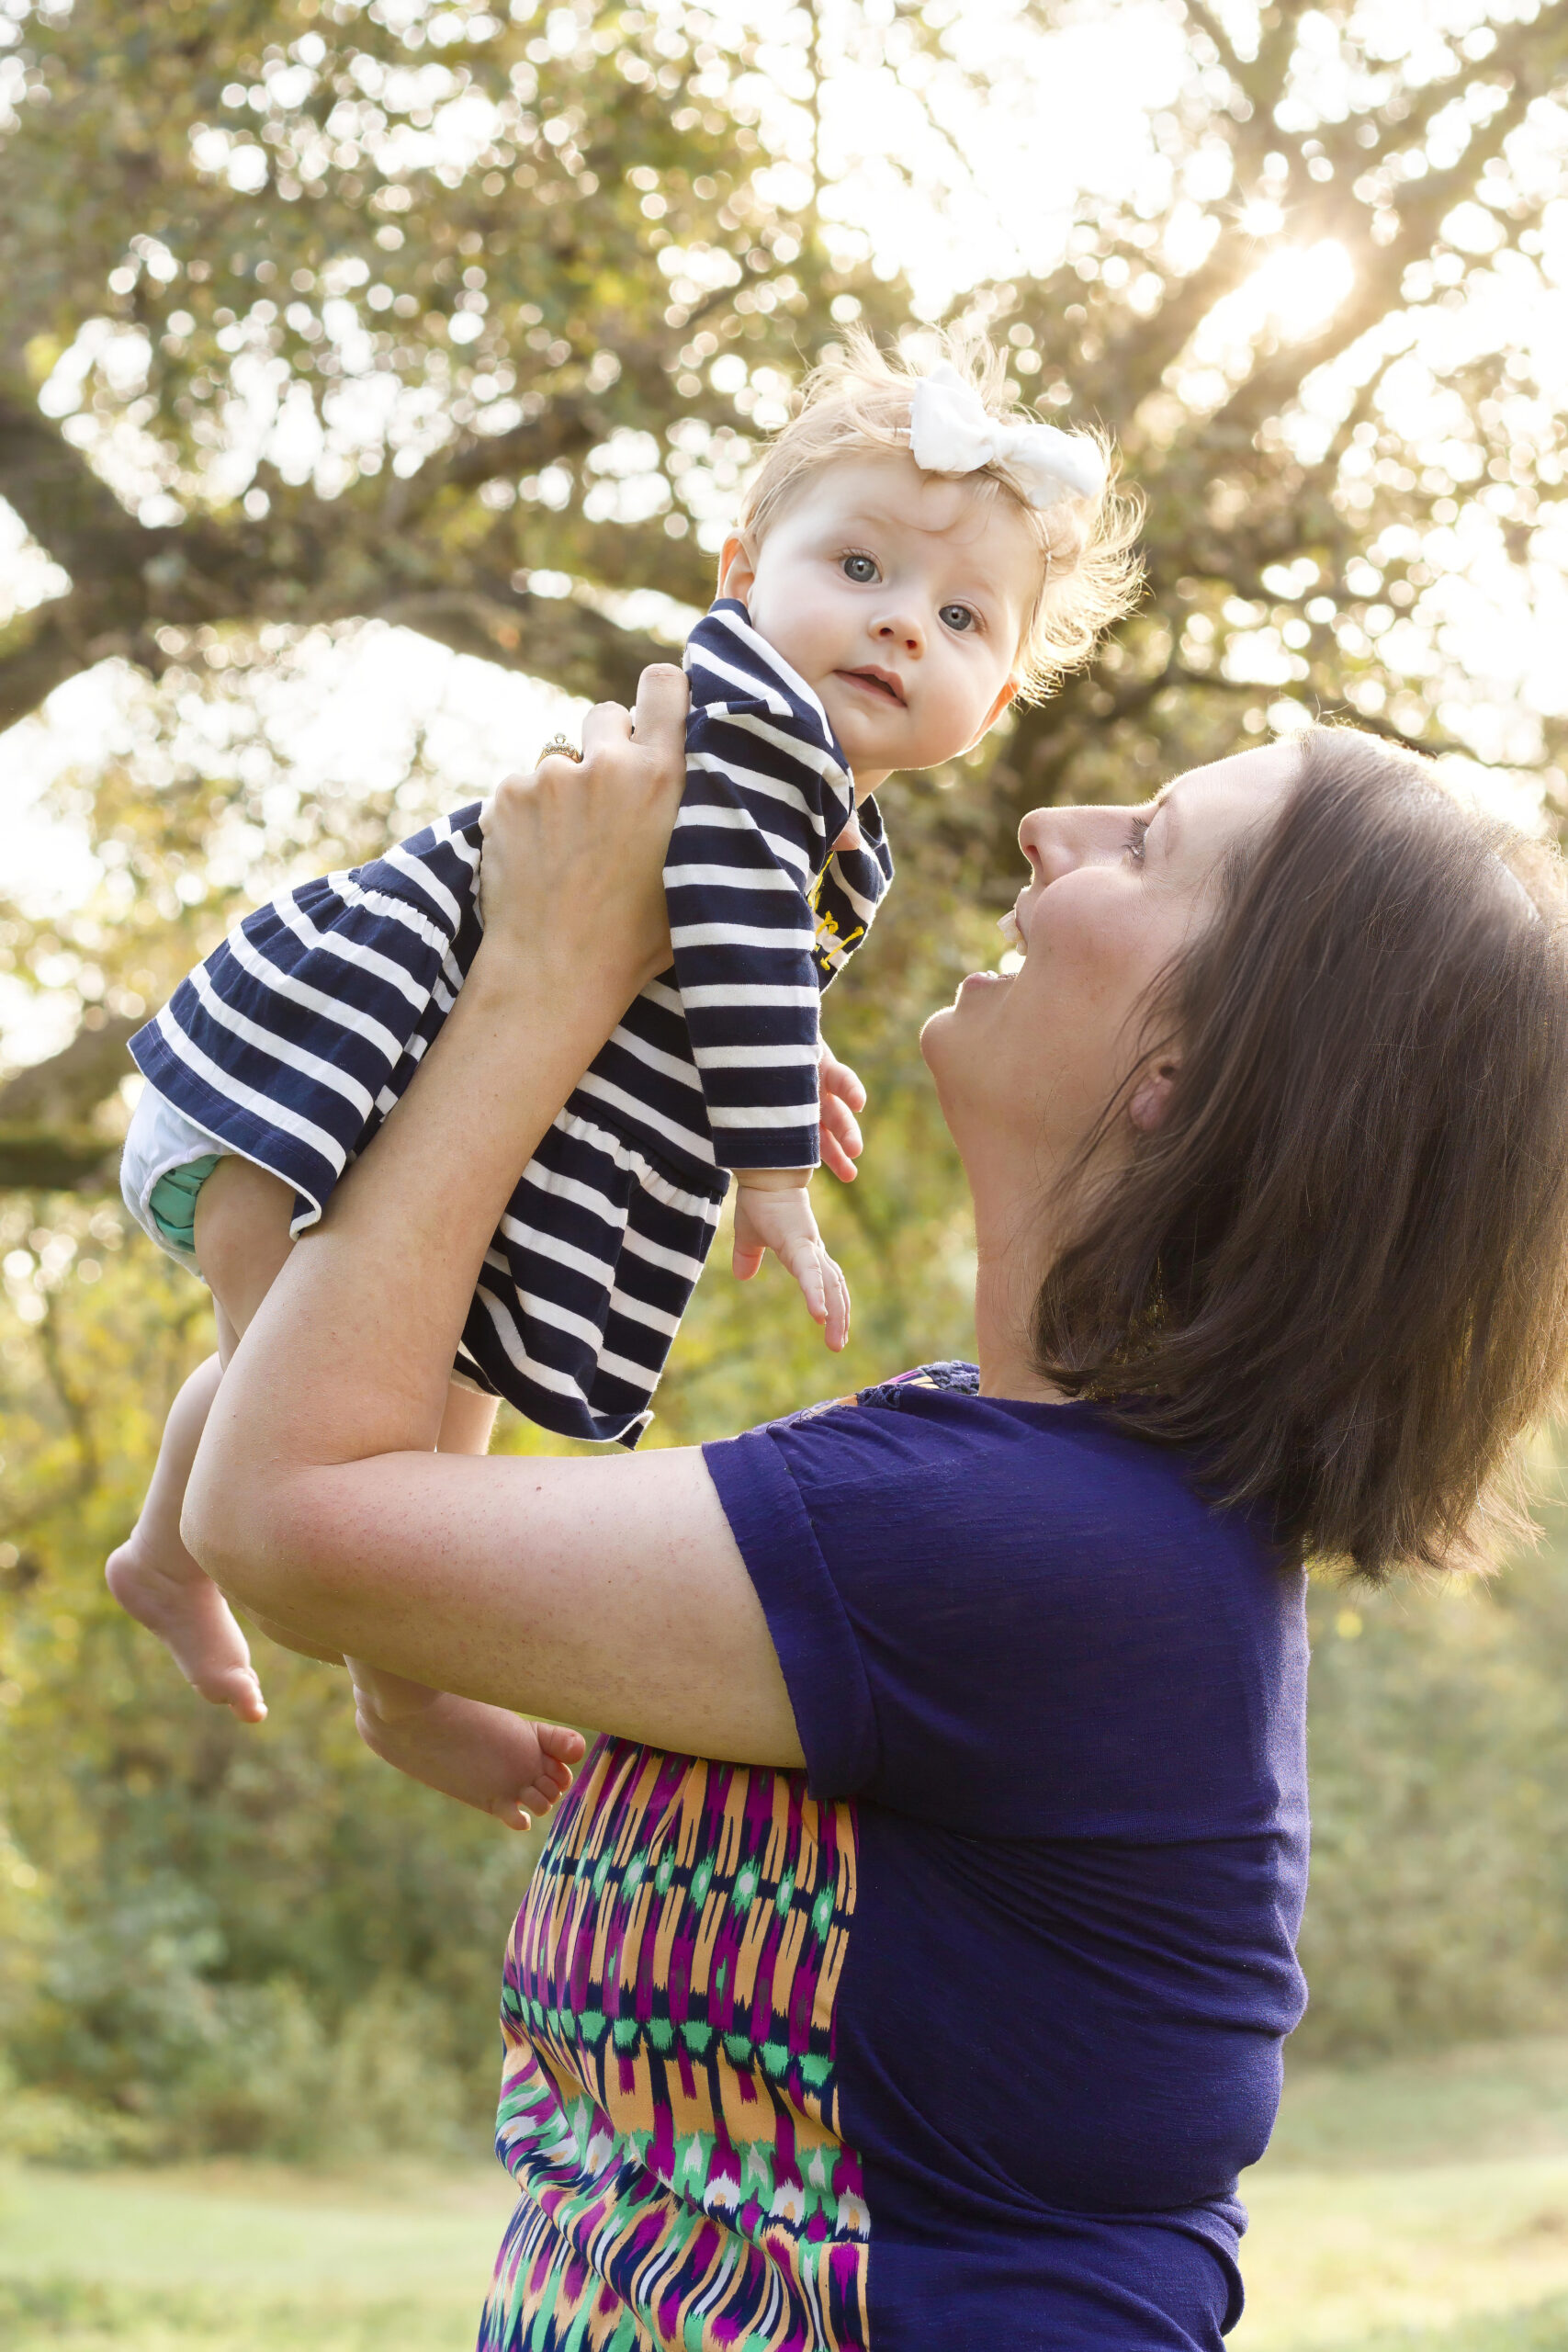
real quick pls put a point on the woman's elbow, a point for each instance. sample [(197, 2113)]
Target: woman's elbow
[(246, 1533)]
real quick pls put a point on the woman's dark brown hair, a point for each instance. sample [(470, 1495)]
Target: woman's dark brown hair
[(1338, 1270)]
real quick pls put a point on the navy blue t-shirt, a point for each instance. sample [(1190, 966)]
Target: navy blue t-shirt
[(961, 2037)]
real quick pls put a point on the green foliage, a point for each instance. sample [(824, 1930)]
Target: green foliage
[(327, 314), (211, 1934), (1439, 1783), (68, 2315), (1542, 2328)]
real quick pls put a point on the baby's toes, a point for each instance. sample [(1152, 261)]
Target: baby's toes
[(239, 1689), (510, 1812)]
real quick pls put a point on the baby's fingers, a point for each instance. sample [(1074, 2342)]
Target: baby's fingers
[(836, 1331), (744, 1258), (841, 1139), (805, 1262), (837, 1078), (823, 1287)]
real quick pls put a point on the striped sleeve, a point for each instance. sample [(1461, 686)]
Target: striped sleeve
[(294, 1039), (767, 794), (849, 891)]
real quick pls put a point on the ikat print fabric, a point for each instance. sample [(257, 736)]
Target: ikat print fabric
[(669, 2105)]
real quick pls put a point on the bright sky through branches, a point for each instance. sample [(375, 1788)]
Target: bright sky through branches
[(987, 164)]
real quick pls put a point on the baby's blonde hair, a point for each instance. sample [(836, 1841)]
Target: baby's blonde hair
[(856, 402)]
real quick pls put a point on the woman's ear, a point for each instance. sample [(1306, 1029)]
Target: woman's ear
[(1150, 1099), (736, 566)]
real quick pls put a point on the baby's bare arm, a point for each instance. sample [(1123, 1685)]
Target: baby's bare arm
[(772, 1210)]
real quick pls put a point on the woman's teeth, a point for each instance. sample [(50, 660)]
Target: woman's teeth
[(1008, 925)]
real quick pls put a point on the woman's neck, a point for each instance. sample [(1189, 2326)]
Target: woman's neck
[(1014, 1245)]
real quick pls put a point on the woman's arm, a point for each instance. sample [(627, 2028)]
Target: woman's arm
[(603, 1592)]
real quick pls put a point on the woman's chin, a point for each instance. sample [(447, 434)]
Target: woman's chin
[(973, 993), (932, 1029)]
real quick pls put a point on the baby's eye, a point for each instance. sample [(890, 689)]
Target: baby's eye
[(957, 616), (860, 568)]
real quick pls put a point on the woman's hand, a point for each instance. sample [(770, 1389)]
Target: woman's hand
[(574, 855), (318, 1499)]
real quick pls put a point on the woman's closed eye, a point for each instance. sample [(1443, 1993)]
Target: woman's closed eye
[(1136, 836)]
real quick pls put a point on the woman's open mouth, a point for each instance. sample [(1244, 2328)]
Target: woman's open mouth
[(880, 683), (1008, 925)]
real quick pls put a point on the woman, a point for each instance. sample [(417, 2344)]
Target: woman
[(911, 1964)]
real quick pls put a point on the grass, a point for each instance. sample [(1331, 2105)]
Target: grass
[(1414, 2207), (1418, 2206), (241, 2258)]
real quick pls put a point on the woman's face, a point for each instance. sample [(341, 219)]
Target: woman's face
[(1027, 1062)]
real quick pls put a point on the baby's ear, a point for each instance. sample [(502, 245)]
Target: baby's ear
[(1007, 696), (736, 566)]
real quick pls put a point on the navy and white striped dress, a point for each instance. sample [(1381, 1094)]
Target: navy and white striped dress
[(297, 1036)]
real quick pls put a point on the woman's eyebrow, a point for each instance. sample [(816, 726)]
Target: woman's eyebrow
[(1169, 807)]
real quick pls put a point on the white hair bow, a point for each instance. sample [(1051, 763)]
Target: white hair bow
[(951, 433)]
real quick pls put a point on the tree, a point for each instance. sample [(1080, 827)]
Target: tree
[(290, 347), (317, 311), (1324, 460)]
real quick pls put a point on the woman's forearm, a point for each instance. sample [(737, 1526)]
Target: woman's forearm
[(342, 1362), (349, 1356), (607, 1592)]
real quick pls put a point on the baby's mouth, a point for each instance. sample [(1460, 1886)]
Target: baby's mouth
[(876, 682)]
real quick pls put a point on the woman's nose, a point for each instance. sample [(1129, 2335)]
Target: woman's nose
[(905, 631), (1055, 840)]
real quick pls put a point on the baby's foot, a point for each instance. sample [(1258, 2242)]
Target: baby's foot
[(162, 1588), (485, 1757)]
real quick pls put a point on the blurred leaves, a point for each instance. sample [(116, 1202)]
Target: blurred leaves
[(327, 318)]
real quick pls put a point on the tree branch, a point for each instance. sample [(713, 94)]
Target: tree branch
[(55, 1159), (556, 637), (66, 1089), (47, 1140)]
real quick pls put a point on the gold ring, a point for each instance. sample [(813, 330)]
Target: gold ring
[(557, 748)]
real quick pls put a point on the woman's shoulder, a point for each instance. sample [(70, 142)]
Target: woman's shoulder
[(927, 1445), (944, 1401), (951, 1377)]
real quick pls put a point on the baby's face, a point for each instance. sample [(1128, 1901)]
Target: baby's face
[(901, 598)]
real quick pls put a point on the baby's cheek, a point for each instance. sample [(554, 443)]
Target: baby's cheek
[(958, 713)]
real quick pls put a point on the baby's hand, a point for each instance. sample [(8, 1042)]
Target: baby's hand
[(839, 1096), (772, 1210)]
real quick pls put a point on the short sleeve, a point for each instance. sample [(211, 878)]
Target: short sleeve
[(1014, 1619), (822, 1664)]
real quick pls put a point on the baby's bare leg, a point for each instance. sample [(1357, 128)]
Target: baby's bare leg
[(485, 1757), (482, 1755), (155, 1580), (242, 1218)]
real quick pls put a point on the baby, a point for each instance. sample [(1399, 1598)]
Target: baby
[(912, 557)]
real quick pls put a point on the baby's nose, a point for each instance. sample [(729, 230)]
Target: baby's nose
[(903, 629)]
